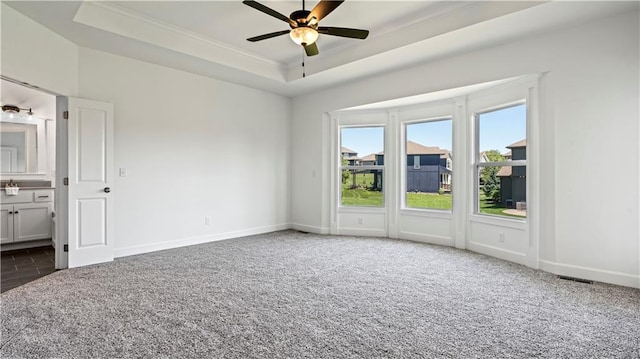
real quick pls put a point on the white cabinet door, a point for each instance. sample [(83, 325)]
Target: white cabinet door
[(91, 212), (32, 221), (6, 223)]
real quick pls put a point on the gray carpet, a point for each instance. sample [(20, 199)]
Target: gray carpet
[(294, 295)]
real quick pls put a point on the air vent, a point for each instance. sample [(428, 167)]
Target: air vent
[(575, 279)]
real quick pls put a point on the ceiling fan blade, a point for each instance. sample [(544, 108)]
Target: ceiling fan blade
[(311, 50), (269, 11), (268, 36), (344, 32), (322, 9)]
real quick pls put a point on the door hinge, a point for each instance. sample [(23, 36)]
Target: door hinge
[(65, 248), (65, 115), (66, 181)]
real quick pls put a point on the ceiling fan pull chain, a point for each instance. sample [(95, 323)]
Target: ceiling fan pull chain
[(303, 71)]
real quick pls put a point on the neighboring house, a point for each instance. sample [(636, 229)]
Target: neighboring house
[(484, 157), (428, 168), (351, 156), (513, 180), (368, 160)]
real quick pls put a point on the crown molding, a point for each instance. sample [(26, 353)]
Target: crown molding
[(118, 20)]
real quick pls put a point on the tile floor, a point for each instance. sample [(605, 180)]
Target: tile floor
[(25, 265)]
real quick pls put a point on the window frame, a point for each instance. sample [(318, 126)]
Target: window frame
[(478, 164), (404, 166), (342, 167)]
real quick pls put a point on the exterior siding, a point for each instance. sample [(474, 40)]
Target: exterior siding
[(426, 179), (513, 189)]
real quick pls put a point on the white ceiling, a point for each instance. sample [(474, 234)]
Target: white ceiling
[(209, 37)]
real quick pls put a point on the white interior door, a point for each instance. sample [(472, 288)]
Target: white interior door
[(91, 219)]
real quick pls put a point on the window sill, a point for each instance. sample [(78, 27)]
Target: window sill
[(425, 212), (356, 209), (499, 221)]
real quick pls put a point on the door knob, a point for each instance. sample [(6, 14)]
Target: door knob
[(107, 190)]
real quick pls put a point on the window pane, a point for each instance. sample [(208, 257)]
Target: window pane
[(362, 146), (502, 190), (503, 134), (362, 188), (429, 165)]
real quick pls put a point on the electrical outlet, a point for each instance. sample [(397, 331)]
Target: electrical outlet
[(207, 220), (501, 237), (360, 220)]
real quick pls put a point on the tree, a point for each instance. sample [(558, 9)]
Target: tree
[(489, 178), (345, 173)]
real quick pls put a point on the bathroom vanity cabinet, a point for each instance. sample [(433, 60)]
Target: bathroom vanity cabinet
[(26, 216)]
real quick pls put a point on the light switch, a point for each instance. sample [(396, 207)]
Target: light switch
[(123, 172)]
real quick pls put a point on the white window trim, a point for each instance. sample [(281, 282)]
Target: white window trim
[(447, 115), (460, 109), (509, 94), (359, 167), (478, 163)]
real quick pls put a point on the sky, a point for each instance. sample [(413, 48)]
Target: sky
[(498, 129)]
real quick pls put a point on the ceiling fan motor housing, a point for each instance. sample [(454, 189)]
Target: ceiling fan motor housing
[(300, 17)]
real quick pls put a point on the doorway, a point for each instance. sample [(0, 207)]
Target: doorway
[(27, 180)]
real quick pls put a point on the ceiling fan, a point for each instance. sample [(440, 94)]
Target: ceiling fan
[(304, 25)]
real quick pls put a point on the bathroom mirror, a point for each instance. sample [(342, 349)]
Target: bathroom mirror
[(19, 140)]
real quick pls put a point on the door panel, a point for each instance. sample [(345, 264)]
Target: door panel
[(90, 173), (91, 219), (32, 221), (6, 224), (92, 137)]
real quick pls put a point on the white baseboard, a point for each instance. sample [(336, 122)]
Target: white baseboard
[(501, 253), (362, 232), (431, 239), (310, 229), (183, 242), (597, 275)]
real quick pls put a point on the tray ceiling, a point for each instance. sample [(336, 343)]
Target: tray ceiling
[(209, 37)]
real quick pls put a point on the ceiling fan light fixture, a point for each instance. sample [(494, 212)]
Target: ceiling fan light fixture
[(304, 35), (10, 109)]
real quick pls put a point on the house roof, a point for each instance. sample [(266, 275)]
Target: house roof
[(371, 157), (346, 150), (508, 154), (521, 143), (414, 148), (505, 171)]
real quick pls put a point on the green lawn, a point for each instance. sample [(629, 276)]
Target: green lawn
[(428, 200), (361, 197), (489, 207), (364, 180), (366, 198)]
